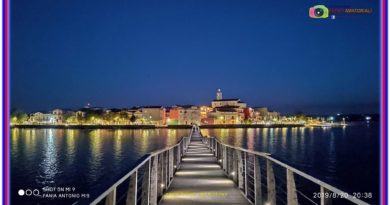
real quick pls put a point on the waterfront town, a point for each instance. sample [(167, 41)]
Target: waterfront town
[(221, 111)]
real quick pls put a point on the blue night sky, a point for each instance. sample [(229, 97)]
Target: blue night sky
[(66, 53)]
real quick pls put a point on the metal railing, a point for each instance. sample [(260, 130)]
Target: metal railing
[(265, 180), (148, 181), (261, 178)]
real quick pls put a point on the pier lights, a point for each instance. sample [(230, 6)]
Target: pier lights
[(233, 173)]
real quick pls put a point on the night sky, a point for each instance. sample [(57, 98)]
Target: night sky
[(66, 53)]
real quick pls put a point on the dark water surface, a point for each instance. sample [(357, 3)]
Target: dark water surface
[(91, 160)]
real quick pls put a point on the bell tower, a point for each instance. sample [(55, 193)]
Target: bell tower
[(219, 94)]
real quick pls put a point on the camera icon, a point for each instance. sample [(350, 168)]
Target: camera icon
[(319, 11)]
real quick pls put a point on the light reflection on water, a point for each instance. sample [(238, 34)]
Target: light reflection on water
[(91, 160), (49, 165)]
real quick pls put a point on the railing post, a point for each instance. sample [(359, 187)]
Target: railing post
[(111, 198), (153, 181), (131, 198), (186, 144), (182, 147), (224, 159), (170, 154), (220, 154), (257, 181), (246, 173), (234, 165), (178, 158), (271, 184), (216, 149), (324, 199), (292, 198), (241, 183), (146, 184), (160, 173), (230, 160), (163, 171)]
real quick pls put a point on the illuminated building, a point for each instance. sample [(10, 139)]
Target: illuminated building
[(184, 115), (154, 115), (226, 111), (55, 117), (263, 114)]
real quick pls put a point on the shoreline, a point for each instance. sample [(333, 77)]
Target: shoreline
[(154, 126)]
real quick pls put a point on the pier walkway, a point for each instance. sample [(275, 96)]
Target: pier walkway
[(201, 170), (200, 180)]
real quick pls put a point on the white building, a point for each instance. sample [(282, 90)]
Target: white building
[(153, 115), (227, 111), (55, 117), (220, 102)]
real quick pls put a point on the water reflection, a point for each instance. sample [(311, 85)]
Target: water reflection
[(92, 159), (118, 146), (70, 145), (49, 165), (251, 139)]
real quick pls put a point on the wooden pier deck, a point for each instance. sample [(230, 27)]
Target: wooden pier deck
[(200, 180)]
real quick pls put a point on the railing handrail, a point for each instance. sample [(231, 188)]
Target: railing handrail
[(122, 179), (153, 153), (317, 181), (298, 172), (263, 154)]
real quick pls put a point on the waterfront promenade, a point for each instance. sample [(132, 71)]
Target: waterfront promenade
[(200, 180)]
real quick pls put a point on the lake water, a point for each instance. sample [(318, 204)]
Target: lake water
[(89, 161)]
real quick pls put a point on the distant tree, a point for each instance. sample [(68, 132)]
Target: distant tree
[(92, 117), (22, 117), (300, 116), (110, 117), (79, 118), (123, 115), (248, 121), (69, 117), (133, 118), (18, 116)]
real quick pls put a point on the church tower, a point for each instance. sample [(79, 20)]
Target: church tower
[(219, 94)]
